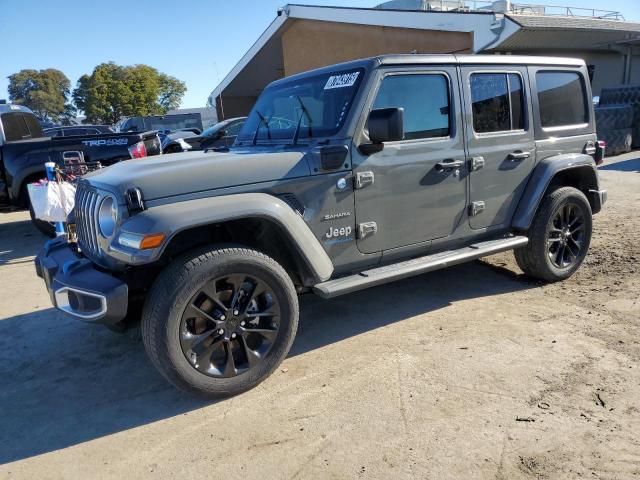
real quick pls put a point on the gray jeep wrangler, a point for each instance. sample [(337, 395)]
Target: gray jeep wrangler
[(342, 178)]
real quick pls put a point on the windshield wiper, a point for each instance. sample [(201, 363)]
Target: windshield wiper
[(305, 112), (260, 122)]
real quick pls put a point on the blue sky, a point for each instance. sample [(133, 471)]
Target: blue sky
[(197, 41)]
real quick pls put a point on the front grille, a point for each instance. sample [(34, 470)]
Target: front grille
[(86, 209)]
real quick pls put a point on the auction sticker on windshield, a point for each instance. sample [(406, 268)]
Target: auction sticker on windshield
[(339, 81)]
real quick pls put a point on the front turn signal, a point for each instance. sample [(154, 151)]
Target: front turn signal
[(152, 240), (141, 242)]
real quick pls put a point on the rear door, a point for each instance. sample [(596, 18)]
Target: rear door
[(500, 141), (414, 190)]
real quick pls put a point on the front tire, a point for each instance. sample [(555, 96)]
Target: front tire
[(219, 321), (559, 236)]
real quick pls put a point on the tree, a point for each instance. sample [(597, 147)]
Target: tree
[(46, 92), (114, 91)]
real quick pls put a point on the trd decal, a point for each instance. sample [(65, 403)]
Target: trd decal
[(105, 142)]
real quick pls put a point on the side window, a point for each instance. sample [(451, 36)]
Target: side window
[(35, 130), (562, 99), (234, 128), (497, 102), (15, 127), (425, 99)]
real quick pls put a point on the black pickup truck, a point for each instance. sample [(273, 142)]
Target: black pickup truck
[(24, 149)]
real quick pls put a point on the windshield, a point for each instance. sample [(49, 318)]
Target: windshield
[(319, 104)]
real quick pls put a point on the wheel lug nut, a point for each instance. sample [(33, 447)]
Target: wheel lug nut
[(221, 331), (236, 312), (233, 335), (242, 323), (223, 318)]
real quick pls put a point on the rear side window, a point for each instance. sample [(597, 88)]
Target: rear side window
[(562, 99), (497, 102), (425, 99), (20, 126)]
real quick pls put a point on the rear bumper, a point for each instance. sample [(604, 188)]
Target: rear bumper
[(77, 288)]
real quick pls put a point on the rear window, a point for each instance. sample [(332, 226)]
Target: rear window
[(20, 126), (80, 131), (562, 99)]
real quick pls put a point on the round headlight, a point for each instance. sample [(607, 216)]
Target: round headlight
[(107, 216)]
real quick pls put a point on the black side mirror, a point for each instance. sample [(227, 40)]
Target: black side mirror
[(384, 125), (221, 134)]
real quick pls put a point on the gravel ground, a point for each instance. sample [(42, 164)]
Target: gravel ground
[(470, 372)]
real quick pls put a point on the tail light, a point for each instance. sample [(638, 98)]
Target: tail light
[(138, 150), (600, 149)]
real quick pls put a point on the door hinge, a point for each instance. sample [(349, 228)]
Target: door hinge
[(364, 179), (476, 208), (367, 228), (476, 163)]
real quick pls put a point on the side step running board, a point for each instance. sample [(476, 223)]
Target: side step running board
[(428, 263)]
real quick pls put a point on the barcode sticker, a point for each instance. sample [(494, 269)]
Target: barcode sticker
[(339, 81)]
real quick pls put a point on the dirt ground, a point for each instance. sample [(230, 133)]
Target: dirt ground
[(471, 372)]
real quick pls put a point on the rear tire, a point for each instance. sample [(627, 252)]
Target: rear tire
[(559, 236), (218, 321)]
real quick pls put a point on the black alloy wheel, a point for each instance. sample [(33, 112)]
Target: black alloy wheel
[(229, 325), (566, 235), (218, 320)]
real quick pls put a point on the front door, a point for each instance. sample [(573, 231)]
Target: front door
[(500, 141), (413, 190)]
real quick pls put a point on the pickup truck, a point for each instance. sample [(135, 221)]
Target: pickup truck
[(24, 149)]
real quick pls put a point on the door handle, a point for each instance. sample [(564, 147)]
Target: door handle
[(518, 156), (449, 164)]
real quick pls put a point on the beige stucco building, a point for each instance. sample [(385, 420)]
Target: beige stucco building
[(304, 37)]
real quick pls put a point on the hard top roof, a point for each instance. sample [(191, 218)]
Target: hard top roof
[(439, 59)]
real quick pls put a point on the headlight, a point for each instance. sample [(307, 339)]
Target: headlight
[(107, 216)]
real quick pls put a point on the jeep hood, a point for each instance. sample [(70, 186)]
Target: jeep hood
[(188, 172)]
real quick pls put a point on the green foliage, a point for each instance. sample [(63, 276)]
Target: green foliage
[(114, 91), (44, 91)]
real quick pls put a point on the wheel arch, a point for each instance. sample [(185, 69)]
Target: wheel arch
[(256, 220), (569, 170), (19, 184)]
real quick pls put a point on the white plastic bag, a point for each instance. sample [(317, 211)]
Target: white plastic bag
[(53, 201)]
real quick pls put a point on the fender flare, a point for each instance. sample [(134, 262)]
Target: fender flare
[(540, 179), (171, 219)]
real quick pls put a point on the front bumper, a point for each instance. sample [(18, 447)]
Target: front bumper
[(599, 199), (77, 288)]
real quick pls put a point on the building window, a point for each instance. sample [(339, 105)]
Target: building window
[(425, 99), (562, 99), (497, 102)]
